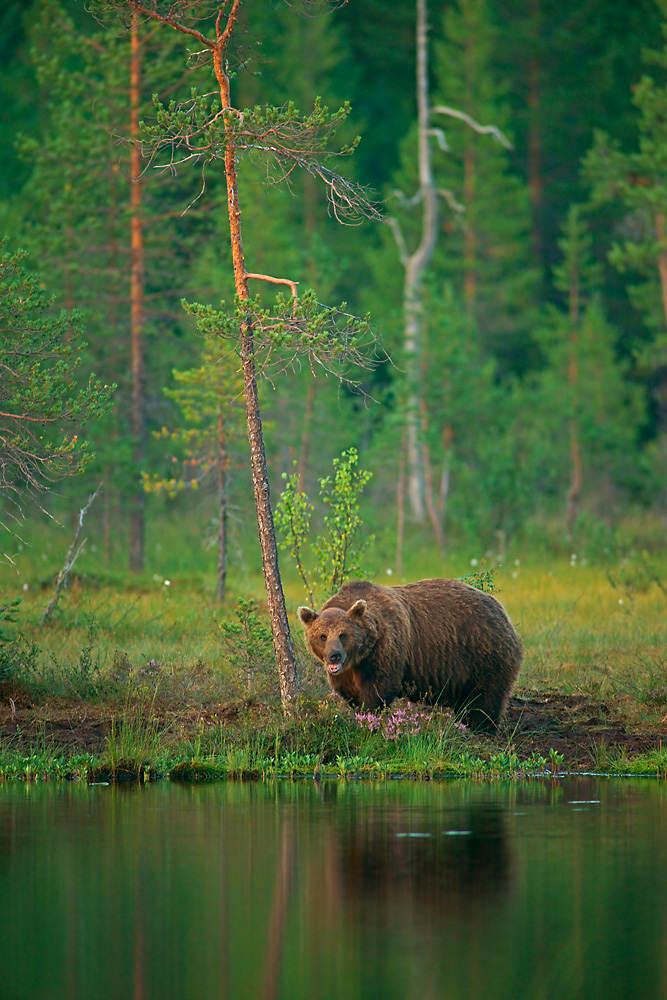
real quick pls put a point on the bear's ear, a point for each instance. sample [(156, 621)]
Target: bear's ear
[(358, 610), (306, 615)]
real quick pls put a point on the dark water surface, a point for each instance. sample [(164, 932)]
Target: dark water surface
[(340, 890)]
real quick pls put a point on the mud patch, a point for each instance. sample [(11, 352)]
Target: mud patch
[(580, 728)]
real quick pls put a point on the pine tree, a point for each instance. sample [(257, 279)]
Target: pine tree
[(486, 248), (216, 131), (104, 225), (209, 402), (41, 406)]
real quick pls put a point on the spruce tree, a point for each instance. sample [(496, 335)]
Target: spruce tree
[(635, 182), (585, 403), (209, 403), (486, 249)]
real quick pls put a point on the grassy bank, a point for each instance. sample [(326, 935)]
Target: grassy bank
[(154, 677)]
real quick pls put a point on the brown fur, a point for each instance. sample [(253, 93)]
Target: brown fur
[(433, 641)]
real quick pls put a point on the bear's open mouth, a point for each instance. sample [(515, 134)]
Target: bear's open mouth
[(333, 668)]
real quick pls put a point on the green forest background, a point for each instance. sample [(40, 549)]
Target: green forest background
[(543, 360)]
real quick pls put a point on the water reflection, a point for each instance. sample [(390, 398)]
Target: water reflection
[(420, 861), (298, 890)]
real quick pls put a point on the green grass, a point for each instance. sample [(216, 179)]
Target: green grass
[(148, 660)]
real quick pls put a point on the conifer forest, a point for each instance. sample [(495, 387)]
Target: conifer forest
[(485, 200), (249, 243), (293, 293)]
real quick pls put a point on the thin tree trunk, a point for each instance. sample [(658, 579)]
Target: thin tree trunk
[(535, 185), (576, 468), (428, 482), (443, 495), (662, 268), (415, 266), (282, 639), (662, 258), (400, 508), (138, 409), (576, 479), (305, 436), (112, 318), (222, 508), (106, 520), (469, 242)]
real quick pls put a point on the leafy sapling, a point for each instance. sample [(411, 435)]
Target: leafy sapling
[(339, 551)]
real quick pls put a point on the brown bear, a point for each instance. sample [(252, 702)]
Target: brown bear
[(433, 641)]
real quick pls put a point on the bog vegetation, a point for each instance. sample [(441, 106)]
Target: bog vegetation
[(473, 382)]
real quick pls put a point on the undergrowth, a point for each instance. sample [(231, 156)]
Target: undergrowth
[(184, 686)]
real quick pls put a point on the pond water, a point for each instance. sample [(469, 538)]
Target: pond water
[(338, 890)]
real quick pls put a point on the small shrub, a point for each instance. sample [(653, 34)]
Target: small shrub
[(8, 613), (481, 579), (338, 552), (249, 647)]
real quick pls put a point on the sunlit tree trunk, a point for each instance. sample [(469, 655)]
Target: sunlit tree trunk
[(662, 258), (443, 494), (222, 508), (428, 483), (282, 638), (400, 509), (535, 184), (138, 406), (469, 242)]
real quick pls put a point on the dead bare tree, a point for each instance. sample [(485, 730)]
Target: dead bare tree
[(73, 553), (415, 263)]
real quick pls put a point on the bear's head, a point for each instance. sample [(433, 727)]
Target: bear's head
[(338, 638)]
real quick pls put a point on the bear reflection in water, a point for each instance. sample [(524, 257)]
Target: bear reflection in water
[(422, 862)]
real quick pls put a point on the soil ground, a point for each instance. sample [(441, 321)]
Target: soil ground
[(585, 731)]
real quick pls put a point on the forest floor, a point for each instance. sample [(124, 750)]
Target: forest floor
[(159, 672), (585, 730), (586, 733)]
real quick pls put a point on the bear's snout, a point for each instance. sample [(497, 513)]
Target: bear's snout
[(334, 656)]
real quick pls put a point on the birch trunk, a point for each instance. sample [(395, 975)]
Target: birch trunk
[(222, 508), (415, 266)]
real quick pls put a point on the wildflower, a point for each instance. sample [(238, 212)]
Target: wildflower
[(473, 562), (389, 572), (167, 583)]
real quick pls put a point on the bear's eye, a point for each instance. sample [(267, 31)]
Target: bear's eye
[(343, 635), (323, 638)]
